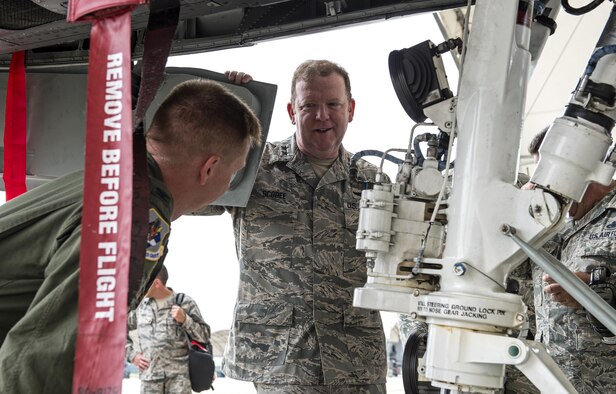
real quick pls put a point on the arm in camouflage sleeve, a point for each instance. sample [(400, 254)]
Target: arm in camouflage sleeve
[(131, 325), (210, 210), (194, 324), (561, 296)]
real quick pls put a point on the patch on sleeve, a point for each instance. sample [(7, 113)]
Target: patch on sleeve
[(157, 232)]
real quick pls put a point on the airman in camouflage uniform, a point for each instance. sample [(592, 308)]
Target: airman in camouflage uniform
[(408, 326), (528, 275), (294, 320), (40, 231), (587, 360), (161, 339), (295, 329), (515, 381)]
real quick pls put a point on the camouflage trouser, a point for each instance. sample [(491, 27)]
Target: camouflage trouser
[(335, 389), (517, 383), (408, 325), (178, 384)]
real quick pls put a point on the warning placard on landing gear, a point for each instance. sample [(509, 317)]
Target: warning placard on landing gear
[(457, 310)]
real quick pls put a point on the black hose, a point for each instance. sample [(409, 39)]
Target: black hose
[(441, 150), (582, 10), (370, 152), (596, 56), (377, 153)]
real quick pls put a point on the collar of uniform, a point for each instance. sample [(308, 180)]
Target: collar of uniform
[(301, 166), (607, 202), (283, 151), (160, 198), (297, 161), (146, 302), (611, 199), (286, 150), (154, 169), (339, 171), (171, 296)]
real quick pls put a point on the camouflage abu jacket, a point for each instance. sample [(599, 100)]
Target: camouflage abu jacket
[(155, 334), (589, 363), (294, 321)]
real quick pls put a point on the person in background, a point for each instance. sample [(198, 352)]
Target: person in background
[(199, 137), (535, 144), (295, 329), (161, 328), (523, 278), (587, 356), (552, 247), (520, 281), (584, 353)]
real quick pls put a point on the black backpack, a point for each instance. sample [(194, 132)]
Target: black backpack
[(201, 365)]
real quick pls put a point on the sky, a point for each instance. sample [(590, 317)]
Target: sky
[(201, 260)]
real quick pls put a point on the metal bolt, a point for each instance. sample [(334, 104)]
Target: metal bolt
[(507, 229), (514, 351), (459, 269), (416, 293), (519, 317), (448, 125), (413, 315)]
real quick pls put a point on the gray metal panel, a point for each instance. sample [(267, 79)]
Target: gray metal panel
[(207, 25), (258, 95), (56, 123)]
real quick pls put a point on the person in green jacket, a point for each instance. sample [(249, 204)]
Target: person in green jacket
[(199, 138)]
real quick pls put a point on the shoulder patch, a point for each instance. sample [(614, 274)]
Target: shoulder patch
[(157, 231)]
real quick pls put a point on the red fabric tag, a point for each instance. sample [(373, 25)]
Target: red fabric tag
[(79, 10), (14, 175), (107, 211)]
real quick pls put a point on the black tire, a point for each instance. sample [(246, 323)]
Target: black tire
[(414, 349)]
